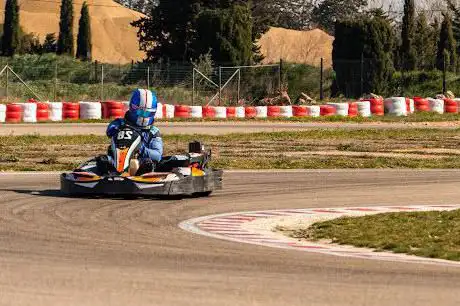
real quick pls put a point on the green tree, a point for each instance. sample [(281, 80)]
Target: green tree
[(447, 46), (227, 33), (407, 52), (362, 56), (84, 45), (423, 48), (327, 12), (10, 38), (65, 44)]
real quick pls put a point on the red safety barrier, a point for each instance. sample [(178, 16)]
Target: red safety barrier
[(43, 112), (273, 111), (209, 112), (408, 105), (112, 110), (421, 104), (450, 106), (231, 112), (299, 111), (70, 111), (250, 112), (13, 113), (353, 109), (377, 106), (327, 110), (182, 111)]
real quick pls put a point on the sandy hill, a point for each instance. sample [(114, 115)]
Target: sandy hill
[(305, 47), (114, 40)]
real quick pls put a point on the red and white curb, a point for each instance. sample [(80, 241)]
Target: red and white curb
[(258, 227)]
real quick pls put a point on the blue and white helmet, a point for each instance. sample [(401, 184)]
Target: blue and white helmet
[(142, 107)]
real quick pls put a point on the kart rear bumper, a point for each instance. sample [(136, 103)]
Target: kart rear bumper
[(116, 185)]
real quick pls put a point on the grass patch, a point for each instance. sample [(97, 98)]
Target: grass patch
[(427, 234), (310, 149)]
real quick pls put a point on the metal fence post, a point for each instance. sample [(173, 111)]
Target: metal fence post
[(148, 76), (239, 86), (7, 78), (55, 80), (280, 76), (193, 87), (444, 73), (220, 85), (362, 74), (321, 93), (102, 82)]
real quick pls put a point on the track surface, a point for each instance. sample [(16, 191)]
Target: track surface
[(61, 251), (210, 128)]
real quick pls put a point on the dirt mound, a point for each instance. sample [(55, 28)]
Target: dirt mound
[(114, 40), (307, 47)]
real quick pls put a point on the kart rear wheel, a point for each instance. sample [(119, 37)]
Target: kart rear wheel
[(202, 194)]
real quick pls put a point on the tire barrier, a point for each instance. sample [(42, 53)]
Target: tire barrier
[(13, 113), (55, 111), (182, 111), (262, 112), (209, 112), (168, 111), (421, 104), (364, 108), (286, 111), (2, 113), (220, 112), (196, 111), (300, 111), (353, 110), (70, 111), (327, 110), (231, 112), (341, 109), (90, 110), (377, 107), (29, 114), (410, 106), (160, 113), (240, 112), (113, 109), (450, 106), (436, 105), (396, 106), (43, 112), (273, 111), (250, 112), (314, 111)]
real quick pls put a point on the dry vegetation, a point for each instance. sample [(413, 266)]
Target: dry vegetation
[(415, 148)]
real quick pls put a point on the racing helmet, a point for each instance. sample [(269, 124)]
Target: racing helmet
[(142, 107)]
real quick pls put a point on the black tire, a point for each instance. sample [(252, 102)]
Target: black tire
[(202, 194)]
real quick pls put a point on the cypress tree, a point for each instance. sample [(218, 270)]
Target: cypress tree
[(65, 43), (447, 46), (407, 36), (10, 39), (84, 35), (424, 48)]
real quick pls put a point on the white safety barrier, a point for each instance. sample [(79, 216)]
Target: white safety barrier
[(261, 112), (55, 111), (126, 106), (169, 111), (159, 114), (396, 106), (90, 110), (196, 111), (341, 109), (2, 112), (314, 110), (30, 112), (286, 111), (436, 105), (364, 108), (411, 109), (221, 112), (240, 112)]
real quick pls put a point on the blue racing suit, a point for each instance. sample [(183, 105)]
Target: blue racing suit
[(152, 144)]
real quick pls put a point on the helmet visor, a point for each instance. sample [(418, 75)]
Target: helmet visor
[(144, 113)]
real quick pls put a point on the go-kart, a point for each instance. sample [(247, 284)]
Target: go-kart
[(120, 172)]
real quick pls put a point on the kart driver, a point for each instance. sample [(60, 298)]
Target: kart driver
[(141, 114)]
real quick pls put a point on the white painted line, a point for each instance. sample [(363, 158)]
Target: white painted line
[(256, 227)]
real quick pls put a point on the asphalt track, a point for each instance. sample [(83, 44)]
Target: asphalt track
[(210, 128), (68, 251)]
